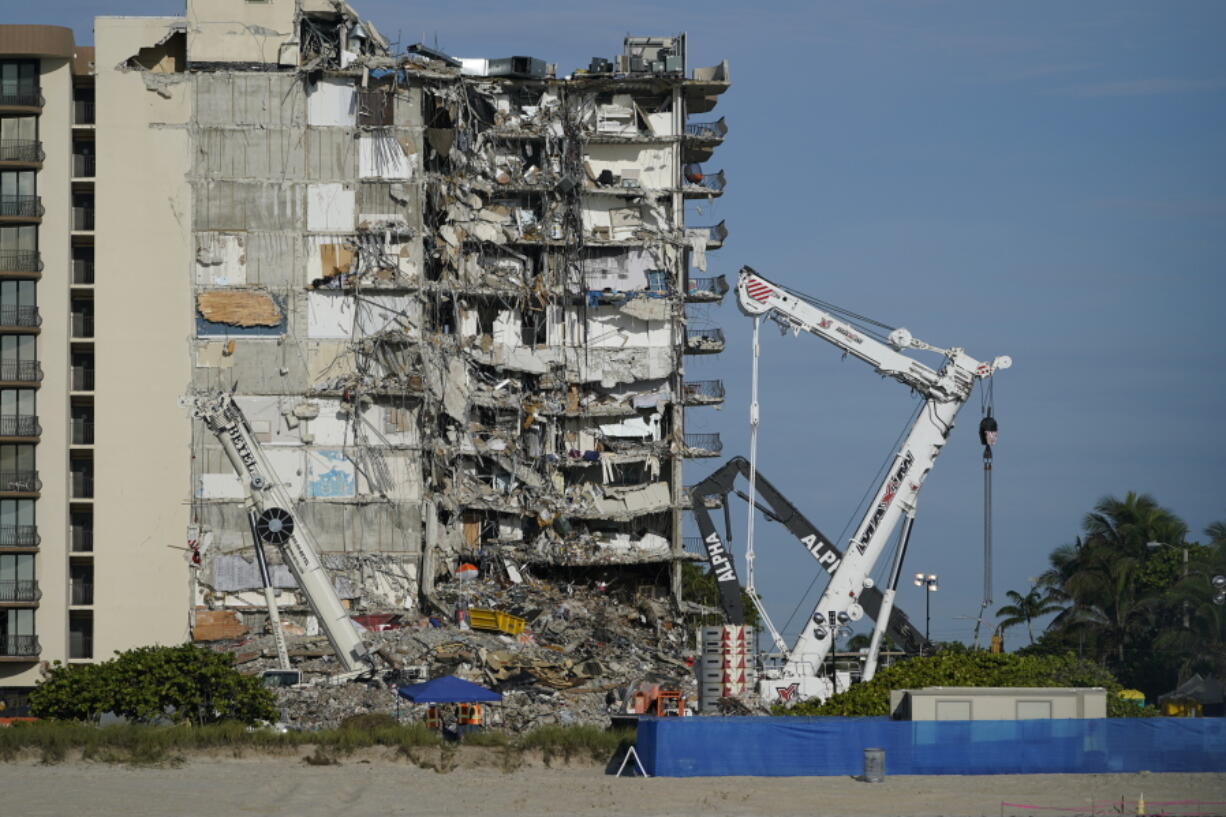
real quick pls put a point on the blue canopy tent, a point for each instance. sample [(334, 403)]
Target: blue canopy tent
[(448, 690)]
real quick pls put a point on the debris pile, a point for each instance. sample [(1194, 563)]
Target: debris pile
[(584, 647)]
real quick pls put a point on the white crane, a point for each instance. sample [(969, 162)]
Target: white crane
[(274, 523), (944, 393)]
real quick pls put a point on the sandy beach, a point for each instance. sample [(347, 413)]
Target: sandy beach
[(377, 783)]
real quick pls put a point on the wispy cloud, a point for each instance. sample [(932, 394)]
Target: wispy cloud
[(1144, 87)]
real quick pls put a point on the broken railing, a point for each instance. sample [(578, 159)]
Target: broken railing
[(706, 289), (707, 130), (715, 235), (710, 182)]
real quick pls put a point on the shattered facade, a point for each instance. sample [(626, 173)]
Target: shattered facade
[(449, 294)]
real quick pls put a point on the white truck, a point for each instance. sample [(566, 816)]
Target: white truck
[(944, 392)]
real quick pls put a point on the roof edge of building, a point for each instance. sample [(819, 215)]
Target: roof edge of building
[(36, 41)]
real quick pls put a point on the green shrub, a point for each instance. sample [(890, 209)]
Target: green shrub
[(966, 669), (184, 683)]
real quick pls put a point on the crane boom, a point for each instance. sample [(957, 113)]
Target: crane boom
[(944, 392), (267, 496)]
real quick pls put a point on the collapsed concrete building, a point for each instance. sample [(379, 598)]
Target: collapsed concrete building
[(449, 294)]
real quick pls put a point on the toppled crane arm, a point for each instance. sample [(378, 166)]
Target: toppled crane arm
[(267, 497)]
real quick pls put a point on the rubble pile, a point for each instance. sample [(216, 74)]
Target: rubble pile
[(583, 648)]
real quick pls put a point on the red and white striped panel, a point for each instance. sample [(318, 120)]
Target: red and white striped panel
[(758, 289)]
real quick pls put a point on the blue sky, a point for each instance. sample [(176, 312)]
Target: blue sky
[(1043, 179)]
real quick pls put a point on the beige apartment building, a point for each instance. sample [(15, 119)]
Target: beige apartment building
[(449, 294)]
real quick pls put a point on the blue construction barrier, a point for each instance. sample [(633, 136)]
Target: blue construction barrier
[(795, 746)]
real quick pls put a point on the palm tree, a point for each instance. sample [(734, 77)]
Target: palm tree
[(1027, 608), (1202, 645), (1098, 574)]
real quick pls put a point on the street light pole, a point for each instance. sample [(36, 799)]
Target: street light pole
[(929, 583)]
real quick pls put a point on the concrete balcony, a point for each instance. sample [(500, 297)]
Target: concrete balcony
[(20, 483), (20, 263), (82, 432), (699, 185), (21, 153), (702, 392), (702, 445), (20, 372), (19, 648), (84, 113), (704, 341), (84, 166), (20, 208), (19, 429), (19, 319), (19, 593), (83, 219), (715, 236), (82, 272), (21, 100), (706, 290), (19, 536)]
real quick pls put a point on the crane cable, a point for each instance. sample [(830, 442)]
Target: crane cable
[(988, 428)]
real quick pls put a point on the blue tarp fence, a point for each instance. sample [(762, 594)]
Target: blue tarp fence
[(796, 746)]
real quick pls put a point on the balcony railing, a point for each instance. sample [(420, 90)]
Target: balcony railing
[(24, 316), (19, 591), (80, 644), (710, 182), (83, 271), (21, 150), (704, 340), (715, 236), (707, 130), (706, 443), (84, 166), (82, 485), (22, 97), (82, 378), (21, 371), (21, 206), (693, 544), (20, 482), (19, 536), (707, 289), (20, 261), (82, 593), (14, 426), (82, 325), (82, 432), (83, 113), (17, 646), (703, 391), (83, 218), (82, 539)]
